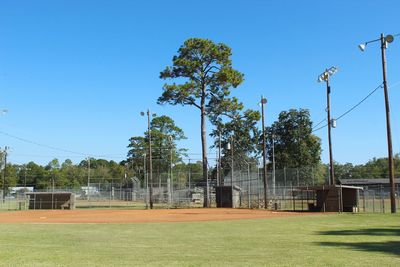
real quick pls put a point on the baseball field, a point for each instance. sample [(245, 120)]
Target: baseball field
[(197, 237)]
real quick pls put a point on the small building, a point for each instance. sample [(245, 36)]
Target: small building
[(330, 198), (228, 196), (50, 200)]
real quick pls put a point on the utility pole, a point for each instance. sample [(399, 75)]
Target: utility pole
[(170, 169), (217, 167), (4, 173), (88, 179), (150, 161), (230, 147), (273, 166), (232, 169), (263, 102), (190, 174), (388, 128), (146, 181), (384, 40), (219, 160), (325, 77), (26, 168), (328, 104)]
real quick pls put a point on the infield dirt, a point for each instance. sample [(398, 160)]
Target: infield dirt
[(138, 216)]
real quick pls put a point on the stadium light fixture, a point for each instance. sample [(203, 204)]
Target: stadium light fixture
[(331, 123)]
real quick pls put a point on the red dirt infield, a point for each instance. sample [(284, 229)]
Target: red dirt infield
[(139, 216)]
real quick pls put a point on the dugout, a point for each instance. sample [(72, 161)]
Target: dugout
[(51, 201), (227, 196), (329, 198)]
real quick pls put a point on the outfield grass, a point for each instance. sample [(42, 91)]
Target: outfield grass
[(323, 240)]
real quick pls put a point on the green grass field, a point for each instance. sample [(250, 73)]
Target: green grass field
[(321, 240)]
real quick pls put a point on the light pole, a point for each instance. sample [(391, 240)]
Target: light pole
[(230, 147), (219, 159), (26, 169), (273, 165), (171, 183), (262, 103), (150, 173), (325, 77), (4, 173), (384, 40), (88, 178)]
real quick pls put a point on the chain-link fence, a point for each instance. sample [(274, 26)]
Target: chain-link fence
[(377, 199), (178, 190)]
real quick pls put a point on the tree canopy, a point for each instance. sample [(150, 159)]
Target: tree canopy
[(295, 145)]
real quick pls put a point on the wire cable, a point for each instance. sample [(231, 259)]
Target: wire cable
[(353, 107), (46, 146)]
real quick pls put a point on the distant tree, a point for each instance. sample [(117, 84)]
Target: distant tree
[(295, 145), (343, 171), (374, 168), (205, 75), (243, 134), (165, 135), (182, 171)]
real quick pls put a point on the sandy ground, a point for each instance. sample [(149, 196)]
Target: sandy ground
[(138, 216)]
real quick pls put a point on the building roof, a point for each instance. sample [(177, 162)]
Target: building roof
[(382, 181), (328, 187)]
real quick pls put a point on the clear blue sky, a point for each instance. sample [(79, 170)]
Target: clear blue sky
[(76, 74)]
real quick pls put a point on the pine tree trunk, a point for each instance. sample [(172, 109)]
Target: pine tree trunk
[(204, 150)]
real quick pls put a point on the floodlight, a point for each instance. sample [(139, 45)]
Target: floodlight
[(327, 73), (362, 47), (332, 71), (141, 113), (389, 38)]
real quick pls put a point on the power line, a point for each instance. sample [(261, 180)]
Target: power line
[(353, 107), (359, 103), (319, 123), (46, 146)]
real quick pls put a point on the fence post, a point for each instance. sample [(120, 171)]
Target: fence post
[(323, 203), (373, 201), (169, 192), (248, 184), (294, 204), (398, 198), (382, 199), (341, 199), (284, 176), (258, 184), (307, 200), (364, 200)]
